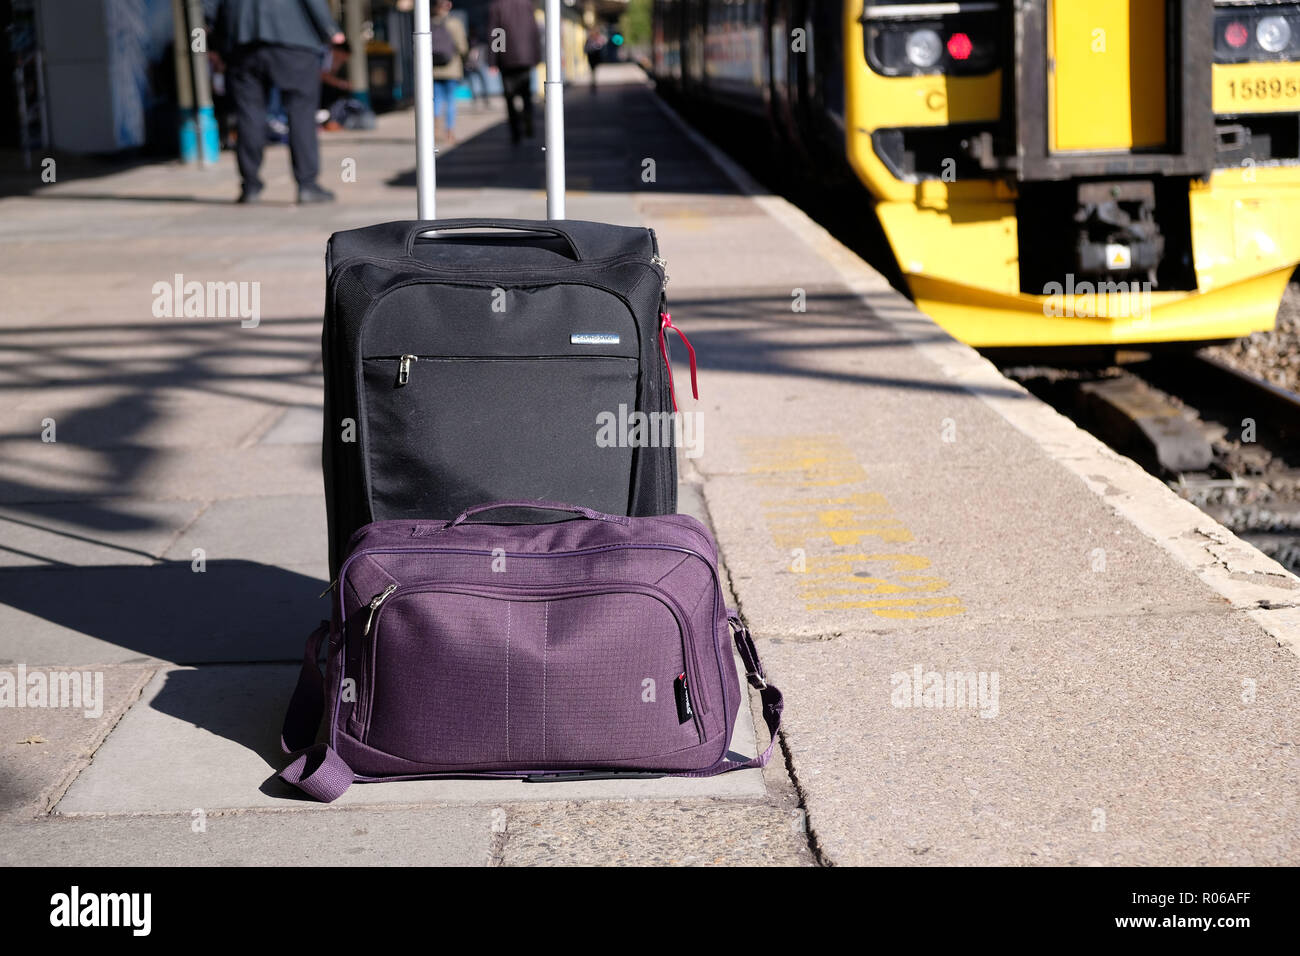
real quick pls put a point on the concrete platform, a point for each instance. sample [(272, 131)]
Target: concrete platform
[(885, 502)]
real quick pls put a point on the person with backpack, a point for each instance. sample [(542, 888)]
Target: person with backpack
[(449, 46), (517, 48), (278, 44)]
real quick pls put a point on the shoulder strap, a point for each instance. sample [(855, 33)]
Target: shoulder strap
[(317, 769), (772, 701)]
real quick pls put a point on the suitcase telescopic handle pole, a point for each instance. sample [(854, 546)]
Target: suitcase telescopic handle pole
[(425, 175), (422, 52), (554, 114)]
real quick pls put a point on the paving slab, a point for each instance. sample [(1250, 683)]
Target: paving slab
[(642, 833), (67, 713), (295, 426), (232, 611), (887, 546), (91, 533), (30, 474), (1123, 740), (209, 737), (280, 530), (424, 836)]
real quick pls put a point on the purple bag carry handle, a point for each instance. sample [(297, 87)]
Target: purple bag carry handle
[(318, 771), (540, 506)]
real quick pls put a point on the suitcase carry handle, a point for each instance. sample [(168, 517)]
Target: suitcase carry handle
[(425, 177), (539, 506), (424, 229)]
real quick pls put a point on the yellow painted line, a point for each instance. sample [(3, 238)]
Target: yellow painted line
[(874, 586), (840, 564), (826, 522), (870, 499)]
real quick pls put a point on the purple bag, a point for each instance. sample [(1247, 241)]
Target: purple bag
[(592, 647)]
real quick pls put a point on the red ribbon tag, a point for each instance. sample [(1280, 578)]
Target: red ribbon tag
[(666, 326)]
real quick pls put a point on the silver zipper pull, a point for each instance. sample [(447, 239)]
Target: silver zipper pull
[(374, 606), (662, 263), (404, 369)]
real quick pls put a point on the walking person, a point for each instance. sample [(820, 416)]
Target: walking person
[(275, 43), (517, 54), (595, 49), (447, 41)]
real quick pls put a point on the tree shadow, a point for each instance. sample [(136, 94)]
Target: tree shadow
[(211, 357)]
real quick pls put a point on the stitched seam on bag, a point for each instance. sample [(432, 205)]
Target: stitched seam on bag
[(684, 559), (508, 607), (639, 282), (546, 634), (705, 593), (374, 563)]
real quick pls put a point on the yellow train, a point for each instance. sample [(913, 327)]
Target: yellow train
[(1046, 172)]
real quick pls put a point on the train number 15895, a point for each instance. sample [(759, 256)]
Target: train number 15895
[(1264, 88)]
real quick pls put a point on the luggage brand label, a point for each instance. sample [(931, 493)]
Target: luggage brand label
[(594, 338), (682, 694)]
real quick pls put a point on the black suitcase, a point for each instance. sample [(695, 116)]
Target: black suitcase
[(477, 360)]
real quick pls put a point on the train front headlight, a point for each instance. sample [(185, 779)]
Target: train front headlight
[(923, 48), (1273, 34)]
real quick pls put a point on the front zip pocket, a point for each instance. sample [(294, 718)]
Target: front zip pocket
[(442, 433), (519, 678), (471, 393)]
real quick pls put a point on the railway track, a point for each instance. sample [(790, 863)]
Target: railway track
[(1224, 439)]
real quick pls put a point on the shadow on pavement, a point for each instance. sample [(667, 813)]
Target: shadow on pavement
[(244, 705), (234, 611), (17, 179), (776, 341), (227, 623), (160, 198), (213, 357)]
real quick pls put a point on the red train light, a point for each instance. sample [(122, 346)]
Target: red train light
[(960, 46)]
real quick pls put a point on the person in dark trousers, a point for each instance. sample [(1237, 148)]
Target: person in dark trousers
[(278, 43), (516, 49), (595, 49)]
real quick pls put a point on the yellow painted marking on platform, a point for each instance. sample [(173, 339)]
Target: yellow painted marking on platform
[(841, 564), (831, 521), (899, 609), (812, 460), (838, 519), (891, 532), (866, 501), (878, 586)]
